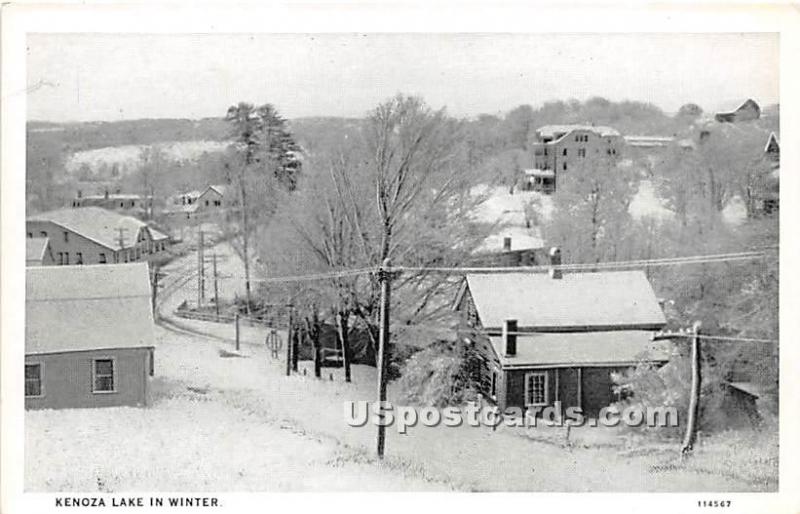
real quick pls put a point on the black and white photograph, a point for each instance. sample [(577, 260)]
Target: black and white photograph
[(399, 262)]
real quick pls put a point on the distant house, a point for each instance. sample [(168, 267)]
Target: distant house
[(92, 235), (561, 148), (195, 204), (132, 204), (38, 253), (746, 111), (767, 197), (554, 337), (89, 338), (514, 246)]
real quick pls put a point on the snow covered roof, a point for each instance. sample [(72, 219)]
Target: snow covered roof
[(578, 301), (100, 225), (35, 248), (535, 172), (76, 308), (114, 196), (560, 349), (732, 106), (222, 189), (648, 141), (772, 140), (559, 131)]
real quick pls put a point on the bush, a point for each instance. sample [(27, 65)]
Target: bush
[(439, 375), (648, 387)]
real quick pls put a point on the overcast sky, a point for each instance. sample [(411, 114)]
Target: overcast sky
[(111, 77)]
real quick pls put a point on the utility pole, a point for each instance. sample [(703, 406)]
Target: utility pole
[(121, 231), (200, 270), (289, 337), (154, 292), (694, 399), (216, 288), (694, 394), (384, 276)]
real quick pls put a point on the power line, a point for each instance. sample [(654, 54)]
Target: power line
[(310, 277), (670, 261), (667, 261)]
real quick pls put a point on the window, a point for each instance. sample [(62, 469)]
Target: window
[(564, 166), (121, 204), (43, 234), (493, 388), (581, 152), (79, 258), (207, 203), (102, 259), (564, 153), (66, 237), (30, 235), (60, 258), (33, 380), (103, 376), (66, 258), (536, 388)]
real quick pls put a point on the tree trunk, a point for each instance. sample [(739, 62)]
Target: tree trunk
[(344, 341), (245, 247), (313, 334)]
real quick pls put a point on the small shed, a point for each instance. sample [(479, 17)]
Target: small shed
[(89, 338)]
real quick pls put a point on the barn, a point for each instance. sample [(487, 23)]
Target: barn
[(89, 339), (558, 337)]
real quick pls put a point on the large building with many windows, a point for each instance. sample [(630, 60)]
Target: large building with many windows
[(89, 339), (562, 149), (92, 235)]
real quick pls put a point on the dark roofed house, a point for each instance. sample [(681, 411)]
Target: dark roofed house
[(37, 252), (558, 337), (89, 339), (745, 111)]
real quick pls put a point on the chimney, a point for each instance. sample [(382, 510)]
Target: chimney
[(106, 194), (510, 337), (507, 244), (555, 260)]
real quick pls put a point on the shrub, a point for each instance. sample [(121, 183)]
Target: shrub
[(439, 375)]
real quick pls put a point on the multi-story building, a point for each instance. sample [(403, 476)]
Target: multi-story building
[(91, 235), (562, 148)]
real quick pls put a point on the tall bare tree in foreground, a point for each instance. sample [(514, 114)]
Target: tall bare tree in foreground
[(400, 189)]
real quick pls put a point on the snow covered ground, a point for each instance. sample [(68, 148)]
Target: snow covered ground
[(128, 157), (508, 212), (224, 423)]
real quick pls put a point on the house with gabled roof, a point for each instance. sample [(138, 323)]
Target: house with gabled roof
[(89, 336), (194, 204), (38, 253), (93, 235), (554, 337), (744, 111)]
